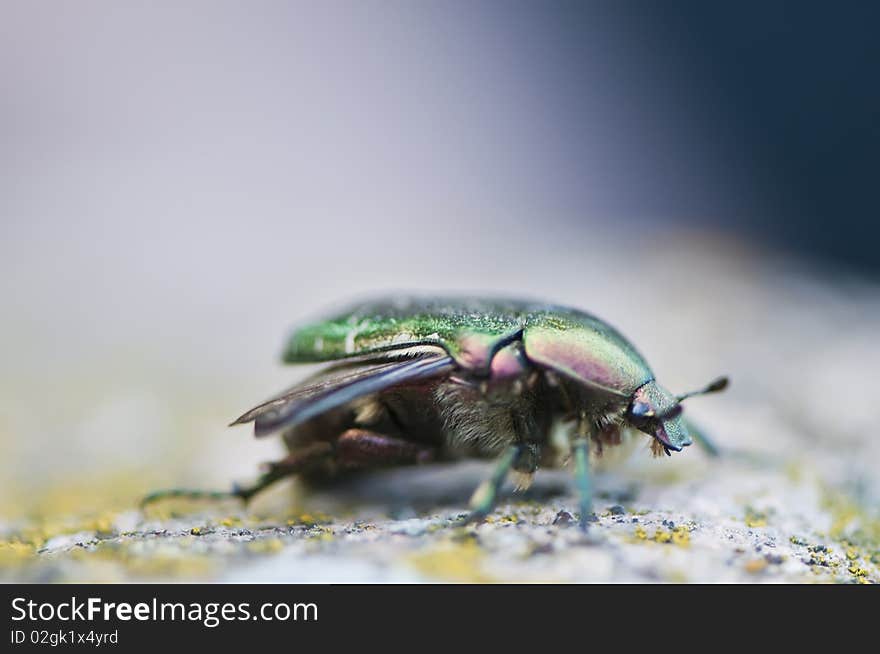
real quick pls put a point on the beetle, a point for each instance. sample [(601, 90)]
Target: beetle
[(412, 379)]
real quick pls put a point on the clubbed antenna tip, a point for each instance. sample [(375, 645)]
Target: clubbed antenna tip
[(714, 387)]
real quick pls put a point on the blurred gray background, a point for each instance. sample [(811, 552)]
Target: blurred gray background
[(182, 182)]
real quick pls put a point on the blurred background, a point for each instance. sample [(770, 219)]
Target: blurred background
[(182, 182)]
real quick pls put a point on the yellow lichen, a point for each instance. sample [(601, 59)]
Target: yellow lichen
[(681, 536), (267, 546), (755, 519), (860, 524), (794, 472), (677, 535), (12, 552), (109, 493), (452, 561), (755, 566), (311, 519)]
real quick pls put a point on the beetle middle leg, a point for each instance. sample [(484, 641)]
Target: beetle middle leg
[(484, 497), (522, 460), (528, 426), (580, 446)]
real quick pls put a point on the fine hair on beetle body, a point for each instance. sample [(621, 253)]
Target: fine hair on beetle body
[(412, 380)]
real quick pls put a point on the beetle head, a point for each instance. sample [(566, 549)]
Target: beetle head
[(657, 412)]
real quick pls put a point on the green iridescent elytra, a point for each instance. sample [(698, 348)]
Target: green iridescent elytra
[(472, 330)]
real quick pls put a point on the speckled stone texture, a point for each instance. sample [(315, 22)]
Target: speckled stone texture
[(794, 498)]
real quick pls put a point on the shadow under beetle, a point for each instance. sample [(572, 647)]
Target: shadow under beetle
[(412, 380)]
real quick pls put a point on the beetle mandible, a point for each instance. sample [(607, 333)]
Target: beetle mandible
[(413, 379)]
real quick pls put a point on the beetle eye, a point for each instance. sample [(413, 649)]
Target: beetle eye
[(641, 410), (673, 412)]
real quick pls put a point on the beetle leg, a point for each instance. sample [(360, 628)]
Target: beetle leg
[(293, 463), (360, 448), (702, 439), (525, 465), (528, 434), (581, 449), (297, 461), (484, 497), (185, 493)]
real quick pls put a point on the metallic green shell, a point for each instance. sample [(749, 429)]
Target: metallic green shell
[(470, 329)]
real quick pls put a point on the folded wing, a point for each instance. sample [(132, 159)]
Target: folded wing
[(340, 386)]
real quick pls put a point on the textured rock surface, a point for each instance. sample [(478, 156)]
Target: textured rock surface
[(702, 521), (795, 498)]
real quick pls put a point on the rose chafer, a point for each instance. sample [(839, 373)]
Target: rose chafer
[(411, 380)]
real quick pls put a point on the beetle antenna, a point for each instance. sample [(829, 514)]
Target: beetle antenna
[(714, 387)]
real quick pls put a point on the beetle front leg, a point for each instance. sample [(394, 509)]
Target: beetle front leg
[(484, 497), (702, 439)]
